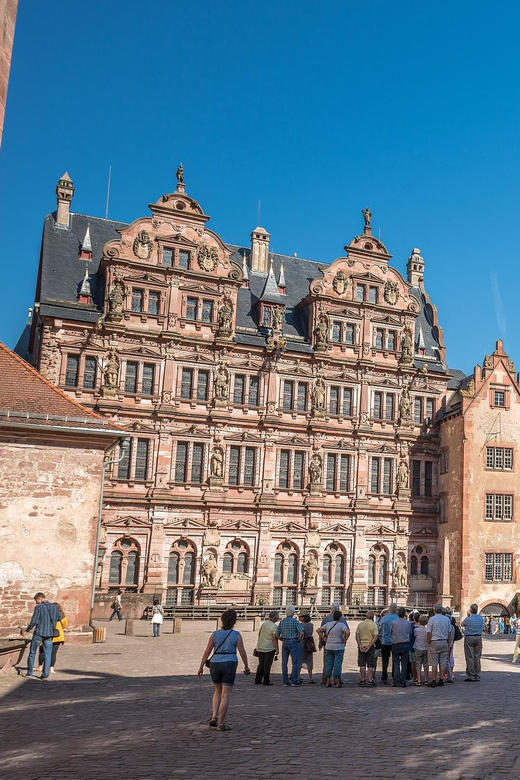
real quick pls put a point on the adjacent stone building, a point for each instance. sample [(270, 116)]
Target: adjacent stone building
[(8, 10), (51, 462), (283, 413)]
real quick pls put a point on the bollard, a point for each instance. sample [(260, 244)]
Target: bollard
[(100, 634), (257, 622), (177, 625), (129, 628)]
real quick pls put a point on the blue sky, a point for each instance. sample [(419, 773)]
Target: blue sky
[(316, 109)]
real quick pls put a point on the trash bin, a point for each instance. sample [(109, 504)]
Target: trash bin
[(100, 634)]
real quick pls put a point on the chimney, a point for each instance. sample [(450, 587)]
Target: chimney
[(85, 252), (259, 249), (415, 268), (65, 193)]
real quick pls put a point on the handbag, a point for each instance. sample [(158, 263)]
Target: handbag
[(309, 644), (256, 653), (458, 634), (208, 660)]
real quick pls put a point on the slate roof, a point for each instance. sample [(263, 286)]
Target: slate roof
[(28, 397), (62, 273), (458, 380)]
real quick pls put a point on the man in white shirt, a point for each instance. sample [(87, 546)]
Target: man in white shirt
[(440, 633)]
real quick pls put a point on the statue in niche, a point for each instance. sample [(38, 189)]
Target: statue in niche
[(367, 216), (180, 174), (318, 395), (406, 348), (225, 316), (310, 572), (116, 302), (111, 371), (315, 469), (400, 578), (222, 382), (405, 405), (209, 572), (403, 475), (321, 332), (216, 463), (278, 317)]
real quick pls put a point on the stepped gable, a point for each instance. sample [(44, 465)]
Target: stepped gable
[(27, 397)]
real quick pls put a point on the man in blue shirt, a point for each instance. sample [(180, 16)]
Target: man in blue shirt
[(473, 627), (290, 632), (386, 641), (44, 620)]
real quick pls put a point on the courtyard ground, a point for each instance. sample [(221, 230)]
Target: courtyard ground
[(133, 708)]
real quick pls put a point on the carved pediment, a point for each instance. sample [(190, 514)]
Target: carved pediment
[(178, 238), (200, 288), (244, 437), (138, 425), (386, 383), (146, 278), (186, 522), (389, 320), (193, 430), (296, 440), (379, 530), (238, 525), (342, 444), (129, 521), (141, 351), (423, 532), (384, 448), (343, 313), (368, 277), (288, 528), (337, 528)]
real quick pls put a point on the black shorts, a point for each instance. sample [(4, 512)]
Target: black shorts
[(367, 659), (223, 672)]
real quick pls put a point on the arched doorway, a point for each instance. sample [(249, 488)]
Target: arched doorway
[(494, 610)]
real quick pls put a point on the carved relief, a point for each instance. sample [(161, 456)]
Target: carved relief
[(225, 317), (313, 539), (221, 382), (339, 283), (207, 258), (403, 475), (209, 572), (400, 574), (321, 333), (391, 292), (405, 406), (406, 348), (143, 245), (111, 371), (216, 462), (318, 395), (310, 572), (116, 302), (278, 317), (316, 469)]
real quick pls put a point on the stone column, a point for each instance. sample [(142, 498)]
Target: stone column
[(155, 568), (446, 597)]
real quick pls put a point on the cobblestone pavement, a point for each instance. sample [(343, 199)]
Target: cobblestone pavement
[(133, 708)]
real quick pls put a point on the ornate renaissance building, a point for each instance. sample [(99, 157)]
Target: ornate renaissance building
[(283, 413)]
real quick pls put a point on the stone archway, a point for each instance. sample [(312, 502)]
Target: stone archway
[(495, 609)]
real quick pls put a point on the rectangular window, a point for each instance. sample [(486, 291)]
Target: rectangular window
[(266, 316), (131, 378), (186, 383), (344, 474), (141, 459), (360, 292), (123, 467), (374, 475), (428, 477), (349, 333), (445, 463), (167, 257), (72, 371), (249, 466), (378, 405), (197, 462), (147, 383), (500, 398), (387, 476), (137, 300), (283, 473), (288, 388), (207, 311), (234, 465), (430, 406), (498, 567), (253, 391), (184, 260), (238, 389), (153, 303), (191, 309), (181, 462), (331, 472), (334, 400), (202, 385), (417, 410), (499, 507), (389, 407), (390, 340), (379, 337), (372, 294), (347, 401), (499, 458), (416, 477), (336, 332), (298, 471), (302, 397), (89, 374)]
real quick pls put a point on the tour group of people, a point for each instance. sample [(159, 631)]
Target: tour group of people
[(413, 648)]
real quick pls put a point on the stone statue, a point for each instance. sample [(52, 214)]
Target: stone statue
[(116, 302), (222, 383), (216, 463), (318, 395), (225, 316), (111, 371), (402, 475), (278, 317), (209, 572), (321, 332), (400, 578), (367, 216), (406, 348), (315, 468), (310, 572), (180, 174), (405, 405)]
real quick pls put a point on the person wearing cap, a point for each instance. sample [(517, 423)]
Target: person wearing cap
[(473, 627), (290, 631)]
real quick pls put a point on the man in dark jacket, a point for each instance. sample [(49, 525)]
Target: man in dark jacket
[(44, 620)]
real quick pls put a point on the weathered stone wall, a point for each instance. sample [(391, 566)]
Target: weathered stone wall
[(49, 496), (133, 605)]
